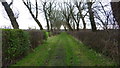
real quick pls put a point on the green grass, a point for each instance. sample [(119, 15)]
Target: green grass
[(40, 54), (64, 50)]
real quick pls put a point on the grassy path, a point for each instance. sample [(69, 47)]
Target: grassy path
[(64, 50)]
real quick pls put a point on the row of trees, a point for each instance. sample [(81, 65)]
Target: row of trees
[(67, 14)]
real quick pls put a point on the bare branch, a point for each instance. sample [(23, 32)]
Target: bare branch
[(11, 3)]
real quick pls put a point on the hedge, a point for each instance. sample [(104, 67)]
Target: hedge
[(17, 43), (101, 41), (36, 37)]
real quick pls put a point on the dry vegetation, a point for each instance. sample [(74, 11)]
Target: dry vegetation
[(105, 42)]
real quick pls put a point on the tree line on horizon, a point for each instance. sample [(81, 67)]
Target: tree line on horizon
[(69, 14)]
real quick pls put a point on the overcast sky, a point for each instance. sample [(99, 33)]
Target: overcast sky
[(25, 20)]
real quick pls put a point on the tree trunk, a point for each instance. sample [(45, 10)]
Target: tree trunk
[(65, 28), (48, 27), (78, 5), (51, 26), (73, 26), (69, 26), (76, 21), (116, 12), (84, 24), (46, 17), (77, 26), (10, 15), (36, 8), (91, 14)]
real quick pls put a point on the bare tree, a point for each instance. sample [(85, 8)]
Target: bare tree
[(45, 13), (100, 13), (49, 10), (74, 15), (28, 4), (51, 13), (91, 16), (66, 14), (80, 7), (59, 20), (104, 16), (10, 14)]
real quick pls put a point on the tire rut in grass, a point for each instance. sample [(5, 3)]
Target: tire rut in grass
[(57, 58)]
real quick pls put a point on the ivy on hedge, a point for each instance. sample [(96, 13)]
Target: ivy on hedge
[(46, 34)]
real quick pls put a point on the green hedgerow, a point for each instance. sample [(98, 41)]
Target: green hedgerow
[(15, 44)]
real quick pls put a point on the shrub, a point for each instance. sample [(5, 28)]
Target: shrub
[(36, 37), (15, 44)]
